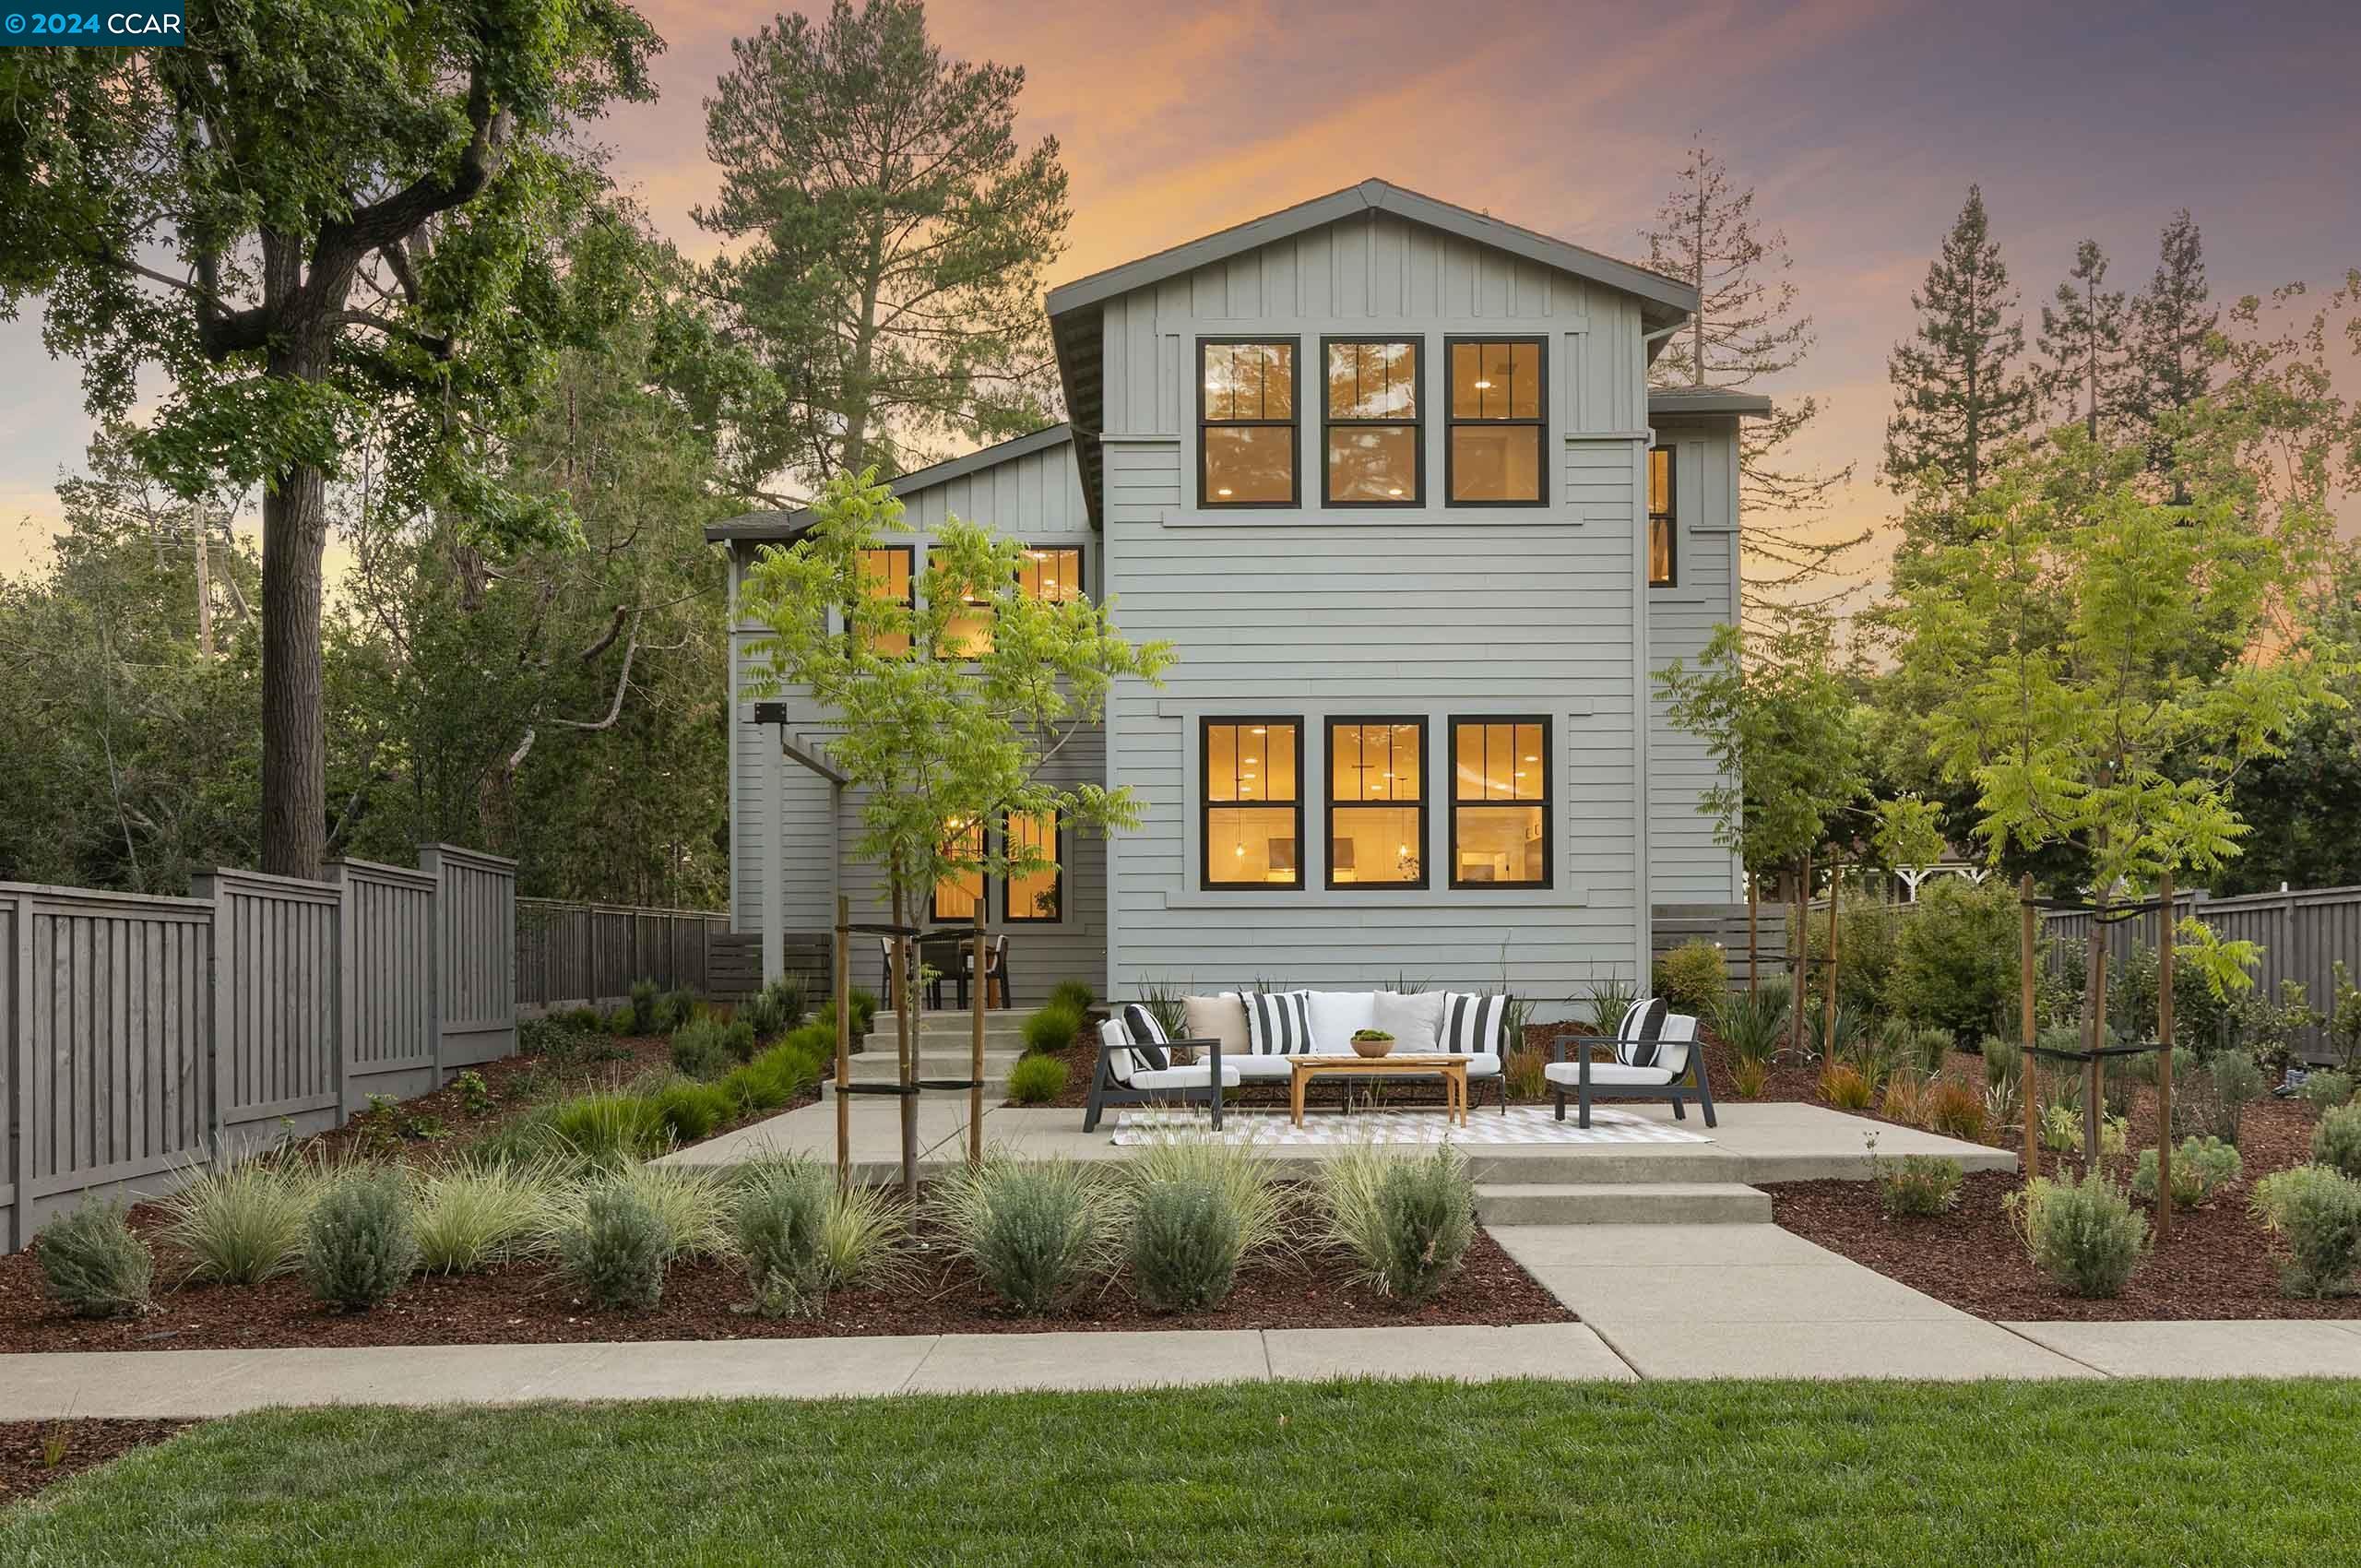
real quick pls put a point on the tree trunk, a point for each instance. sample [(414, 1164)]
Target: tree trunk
[(204, 588), (294, 773), (906, 1037), (1753, 962), (1835, 967), (1801, 1000), (2094, 1037), (2165, 1057)]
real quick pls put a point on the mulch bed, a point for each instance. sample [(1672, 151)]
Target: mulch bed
[(531, 1303), (2218, 1263), (38, 1454)]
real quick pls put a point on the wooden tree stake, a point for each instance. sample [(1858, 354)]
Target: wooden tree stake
[(2028, 1073), (2164, 1056), (843, 966), (976, 1043)]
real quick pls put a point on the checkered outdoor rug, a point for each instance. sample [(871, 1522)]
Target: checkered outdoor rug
[(1522, 1124)]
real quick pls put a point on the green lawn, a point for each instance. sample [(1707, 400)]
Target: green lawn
[(1738, 1474)]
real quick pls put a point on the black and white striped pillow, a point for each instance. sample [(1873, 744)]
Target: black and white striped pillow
[(1278, 1022), (1635, 1042), (1471, 1024), (1147, 1036)]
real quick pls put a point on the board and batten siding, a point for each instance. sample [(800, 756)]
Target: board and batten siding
[(1036, 498), (1687, 865), (1442, 611)]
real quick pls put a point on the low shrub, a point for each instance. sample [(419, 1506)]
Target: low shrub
[(1843, 1086), (2061, 1128), (622, 1021), (2004, 1061), (2319, 1211), (1243, 1174), (2201, 1167), (691, 1110), (2327, 1088), (1749, 1076), (1074, 994), (1035, 1231), (645, 1018), (780, 1217), (2336, 1142), (1051, 1028), (1694, 978), (738, 1041), (1185, 1245), (468, 1217), (1526, 1071), (2238, 1079), (2085, 1235), (615, 1251), (605, 1129), (1905, 1096), (862, 1235), (1752, 1026), (701, 1049), (1919, 1185), (92, 1264), (863, 1007), (692, 1208), (775, 1009), (1406, 1219), (776, 1078), (590, 1020), (1037, 1080), (359, 1245), (1955, 956), (2200, 1111), (676, 1009), (1955, 1110), (242, 1223)]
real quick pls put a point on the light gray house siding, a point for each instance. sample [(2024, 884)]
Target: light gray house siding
[(1689, 867), (1439, 612)]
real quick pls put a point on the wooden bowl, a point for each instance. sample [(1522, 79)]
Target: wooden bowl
[(1372, 1047)]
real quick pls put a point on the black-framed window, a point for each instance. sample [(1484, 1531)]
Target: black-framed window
[(1373, 422), (960, 895), (1501, 801), (1043, 571), (885, 572), (1664, 527), (1035, 896), (1246, 412), (1250, 809), (1496, 451), (1377, 803)]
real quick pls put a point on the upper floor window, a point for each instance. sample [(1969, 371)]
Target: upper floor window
[(885, 575), (1500, 803), (1377, 805), (1663, 530), (1045, 572), (1253, 804), (1246, 423), (1497, 394), (1371, 423)]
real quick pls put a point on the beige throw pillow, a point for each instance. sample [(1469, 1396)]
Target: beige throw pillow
[(1220, 1018)]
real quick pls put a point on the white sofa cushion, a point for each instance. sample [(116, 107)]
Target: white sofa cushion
[(1194, 1077), (1571, 1074), (1278, 1022), (1221, 1018), (1472, 1023), (1120, 1062), (1335, 1014), (1413, 1019)]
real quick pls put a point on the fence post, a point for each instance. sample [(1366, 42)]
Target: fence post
[(20, 1071), (348, 1001), (207, 886)]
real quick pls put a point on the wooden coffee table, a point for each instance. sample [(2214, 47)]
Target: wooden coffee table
[(1452, 1070)]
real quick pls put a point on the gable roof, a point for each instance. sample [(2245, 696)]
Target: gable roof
[(756, 526), (1676, 298)]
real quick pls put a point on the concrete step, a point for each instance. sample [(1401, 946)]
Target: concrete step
[(1623, 1203), (876, 1067)]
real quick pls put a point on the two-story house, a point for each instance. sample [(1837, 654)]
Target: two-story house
[(1389, 476)]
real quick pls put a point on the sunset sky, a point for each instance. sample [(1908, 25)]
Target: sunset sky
[(1860, 122)]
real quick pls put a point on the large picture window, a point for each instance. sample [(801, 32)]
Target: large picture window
[(1252, 805), (1372, 428), (1500, 803), (1663, 558), (885, 577), (960, 895), (1499, 393), (1037, 896), (1246, 423), (1377, 803)]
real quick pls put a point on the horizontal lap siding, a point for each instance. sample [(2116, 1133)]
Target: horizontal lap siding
[(1687, 865)]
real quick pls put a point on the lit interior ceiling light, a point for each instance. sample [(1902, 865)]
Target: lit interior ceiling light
[(1483, 387), (1395, 491), (1223, 490)]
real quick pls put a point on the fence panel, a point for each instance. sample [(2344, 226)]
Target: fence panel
[(275, 1001), (2303, 935), (1670, 925), (589, 955), (107, 1030), (476, 972), (390, 1021)]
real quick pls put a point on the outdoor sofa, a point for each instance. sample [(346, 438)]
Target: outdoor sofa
[(1252, 1037)]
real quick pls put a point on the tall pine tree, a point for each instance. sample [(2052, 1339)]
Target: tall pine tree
[(2087, 371), (1960, 390), (1747, 328), (2173, 323)]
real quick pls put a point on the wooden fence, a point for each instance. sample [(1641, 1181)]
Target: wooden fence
[(142, 1036), (2303, 934), (588, 955), (1671, 925)]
